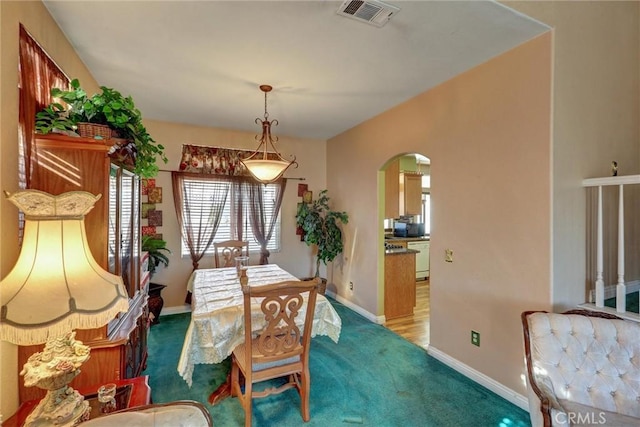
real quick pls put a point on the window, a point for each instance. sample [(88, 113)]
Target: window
[(426, 203), (38, 74), (199, 195), (426, 212)]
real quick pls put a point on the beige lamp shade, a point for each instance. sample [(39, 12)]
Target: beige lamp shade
[(266, 171), (56, 285)]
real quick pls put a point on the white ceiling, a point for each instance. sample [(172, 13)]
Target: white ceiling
[(201, 62)]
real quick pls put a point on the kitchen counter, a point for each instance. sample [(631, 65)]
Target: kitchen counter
[(406, 239), (399, 282), (400, 251)]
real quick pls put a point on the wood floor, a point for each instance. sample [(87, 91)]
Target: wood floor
[(415, 328)]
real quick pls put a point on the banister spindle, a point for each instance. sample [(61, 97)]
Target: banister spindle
[(621, 289), (599, 251)]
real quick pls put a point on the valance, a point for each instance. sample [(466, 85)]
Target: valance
[(215, 160)]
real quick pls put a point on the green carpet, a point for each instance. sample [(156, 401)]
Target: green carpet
[(372, 377)]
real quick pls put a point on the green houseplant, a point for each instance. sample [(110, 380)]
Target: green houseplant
[(155, 248), (108, 107), (320, 227)]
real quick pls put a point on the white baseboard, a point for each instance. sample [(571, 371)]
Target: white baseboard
[(485, 381), (361, 311), (480, 378)]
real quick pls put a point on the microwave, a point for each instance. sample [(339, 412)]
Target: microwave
[(403, 229), (400, 229)]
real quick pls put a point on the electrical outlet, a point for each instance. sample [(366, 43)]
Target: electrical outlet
[(350, 286), (448, 255), (475, 338)]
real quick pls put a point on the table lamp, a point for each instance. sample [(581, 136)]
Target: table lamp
[(55, 287)]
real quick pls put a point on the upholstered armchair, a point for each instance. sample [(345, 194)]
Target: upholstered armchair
[(583, 368)]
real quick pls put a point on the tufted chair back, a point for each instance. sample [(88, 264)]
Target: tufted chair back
[(578, 358)]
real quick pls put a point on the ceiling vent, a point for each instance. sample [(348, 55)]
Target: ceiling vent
[(371, 12)]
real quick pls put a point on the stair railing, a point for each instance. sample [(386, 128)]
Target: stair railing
[(621, 288)]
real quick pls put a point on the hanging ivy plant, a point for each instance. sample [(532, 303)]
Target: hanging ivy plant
[(108, 107)]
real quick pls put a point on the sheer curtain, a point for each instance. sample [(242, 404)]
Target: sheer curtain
[(239, 188), (246, 201), (200, 224), (38, 74), (261, 230)]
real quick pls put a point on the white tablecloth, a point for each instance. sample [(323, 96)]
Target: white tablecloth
[(217, 324)]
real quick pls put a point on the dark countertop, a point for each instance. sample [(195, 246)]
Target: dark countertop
[(400, 251), (407, 239)]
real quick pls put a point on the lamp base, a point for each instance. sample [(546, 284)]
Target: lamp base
[(64, 407), (53, 369)]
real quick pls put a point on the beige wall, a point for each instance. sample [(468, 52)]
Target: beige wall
[(596, 110), (34, 16), (295, 256), (510, 204), (484, 131), (494, 181)]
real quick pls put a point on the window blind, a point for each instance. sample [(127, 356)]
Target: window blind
[(199, 195)]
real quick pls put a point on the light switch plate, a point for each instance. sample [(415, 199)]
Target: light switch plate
[(448, 255)]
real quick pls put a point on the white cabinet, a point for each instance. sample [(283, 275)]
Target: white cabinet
[(422, 258)]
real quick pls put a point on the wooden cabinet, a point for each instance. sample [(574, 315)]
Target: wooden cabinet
[(123, 231), (61, 164), (399, 284), (403, 192), (410, 194), (392, 190)]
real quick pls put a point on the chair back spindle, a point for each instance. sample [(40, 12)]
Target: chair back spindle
[(227, 251)]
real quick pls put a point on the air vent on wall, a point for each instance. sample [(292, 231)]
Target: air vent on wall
[(371, 11)]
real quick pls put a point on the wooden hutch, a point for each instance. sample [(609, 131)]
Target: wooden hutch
[(61, 164)]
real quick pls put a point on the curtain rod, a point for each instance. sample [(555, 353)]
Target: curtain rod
[(293, 178)]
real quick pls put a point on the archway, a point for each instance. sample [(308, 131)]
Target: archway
[(407, 225)]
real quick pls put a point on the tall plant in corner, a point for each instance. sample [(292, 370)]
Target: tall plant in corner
[(320, 226)]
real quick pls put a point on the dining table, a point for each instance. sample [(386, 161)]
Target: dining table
[(217, 315)]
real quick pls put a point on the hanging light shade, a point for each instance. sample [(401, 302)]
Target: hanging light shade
[(266, 166), (56, 285)]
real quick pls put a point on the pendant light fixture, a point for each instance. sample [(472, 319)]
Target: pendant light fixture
[(266, 166)]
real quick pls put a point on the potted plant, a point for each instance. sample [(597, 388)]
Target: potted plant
[(109, 108), (320, 227), (155, 248)]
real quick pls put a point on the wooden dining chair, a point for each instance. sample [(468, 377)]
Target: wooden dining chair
[(280, 348), (228, 250)]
